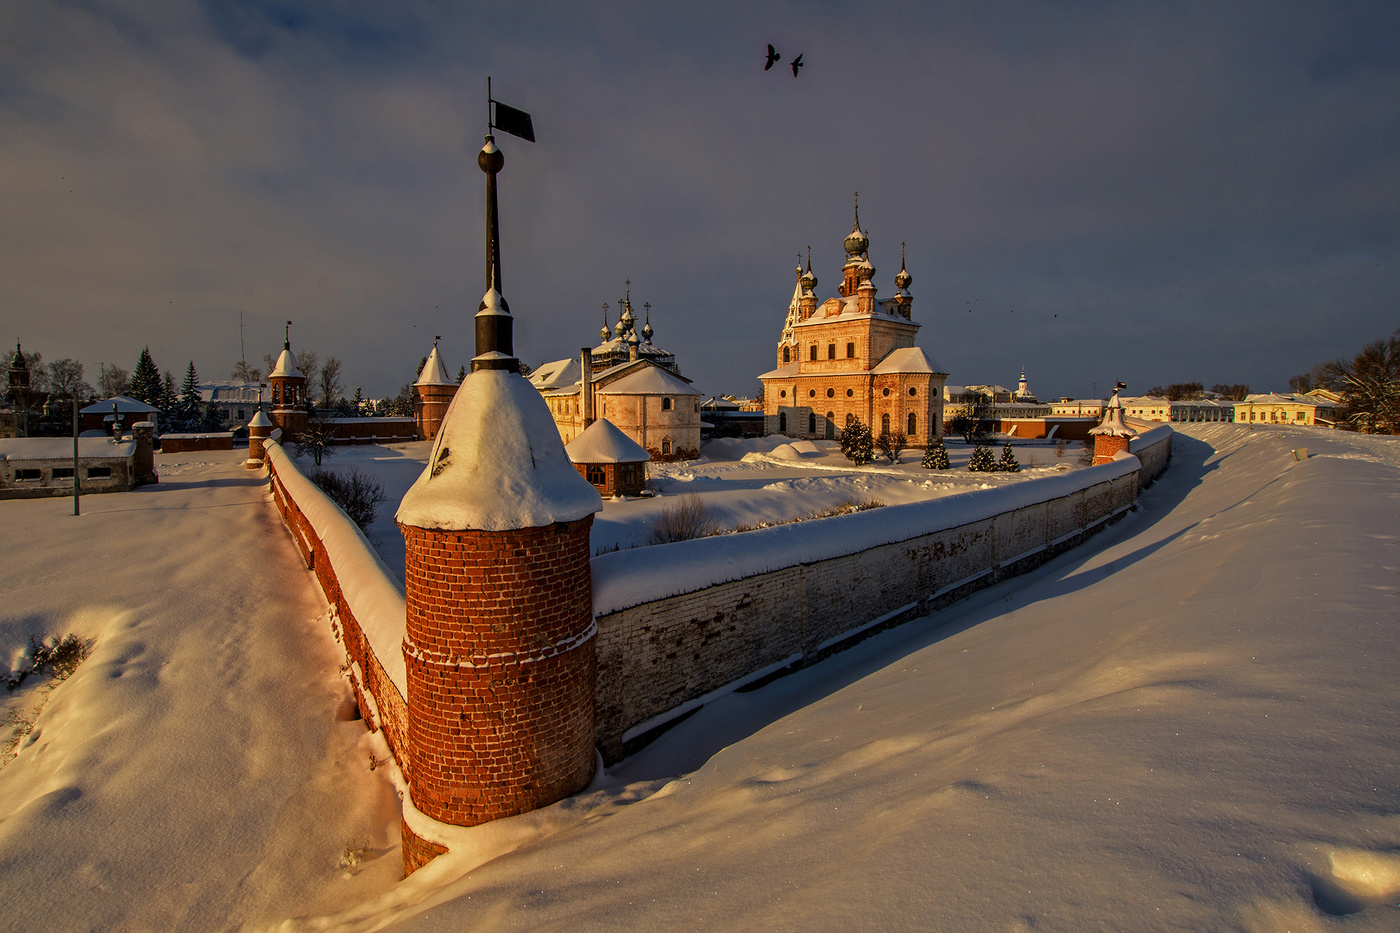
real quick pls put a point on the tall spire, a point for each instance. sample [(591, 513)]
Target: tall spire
[(494, 324)]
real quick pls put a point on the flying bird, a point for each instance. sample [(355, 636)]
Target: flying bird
[(773, 56), (796, 64)]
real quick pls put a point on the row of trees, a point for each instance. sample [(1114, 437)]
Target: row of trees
[(1369, 385), (1190, 391)]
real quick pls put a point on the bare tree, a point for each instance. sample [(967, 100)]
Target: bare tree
[(973, 421), (1371, 387), (65, 379), (245, 373), (329, 382), (113, 380)]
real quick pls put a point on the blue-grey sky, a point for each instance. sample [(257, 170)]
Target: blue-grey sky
[(1095, 191)]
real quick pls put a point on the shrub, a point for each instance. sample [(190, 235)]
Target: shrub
[(982, 461), (60, 657), (1009, 463), (936, 456), (356, 491), (688, 518), (891, 445), (857, 444)]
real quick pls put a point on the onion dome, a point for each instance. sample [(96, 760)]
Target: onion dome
[(866, 270), (605, 332), (856, 241), (646, 328), (808, 280), (902, 279)]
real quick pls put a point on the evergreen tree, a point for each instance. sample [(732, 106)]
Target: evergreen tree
[(169, 400), (936, 456), (1008, 463), (145, 380), (981, 461), (359, 403), (857, 444), (189, 409), (461, 374)]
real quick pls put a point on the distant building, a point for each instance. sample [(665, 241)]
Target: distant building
[(609, 459), (233, 403), (853, 358), (1316, 408), (99, 415), (37, 467), (629, 381)]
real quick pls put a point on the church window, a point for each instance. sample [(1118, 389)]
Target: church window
[(850, 351), (830, 425), (811, 393), (884, 424), (885, 392), (812, 423), (850, 416), (830, 393), (831, 351), (665, 404), (850, 392), (913, 424), (782, 422), (782, 393), (814, 353), (787, 355), (913, 391), (666, 447)]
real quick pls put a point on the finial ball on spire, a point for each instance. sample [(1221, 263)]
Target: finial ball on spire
[(490, 158)]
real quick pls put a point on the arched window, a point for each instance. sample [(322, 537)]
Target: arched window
[(787, 354), (782, 422), (665, 404), (849, 418), (884, 424), (913, 424), (812, 423), (666, 447), (830, 425)]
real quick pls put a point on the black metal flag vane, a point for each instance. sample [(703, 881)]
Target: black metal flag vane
[(507, 119)]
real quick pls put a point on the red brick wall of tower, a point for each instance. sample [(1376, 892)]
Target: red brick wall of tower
[(430, 407), (1106, 445), (501, 669)]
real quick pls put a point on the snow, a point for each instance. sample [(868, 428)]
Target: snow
[(59, 448), (486, 473), (125, 406), (434, 372), (1187, 723), (603, 442), (648, 380), (260, 420), (286, 365)]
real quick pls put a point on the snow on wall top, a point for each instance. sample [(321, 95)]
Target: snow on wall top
[(286, 365), (497, 463), (786, 371), (603, 442), (907, 360), (434, 373), (649, 380), (623, 579), (368, 587), (61, 448)]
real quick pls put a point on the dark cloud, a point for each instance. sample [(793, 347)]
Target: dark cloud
[(1160, 194)]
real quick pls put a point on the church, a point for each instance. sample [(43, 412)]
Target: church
[(631, 382), (852, 357)]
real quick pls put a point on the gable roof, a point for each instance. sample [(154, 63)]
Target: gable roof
[(126, 405), (648, 379), (604, 442)]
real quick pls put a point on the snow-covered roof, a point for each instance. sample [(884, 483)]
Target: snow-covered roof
[(1112, 424), (559, 374), (260, 420), (715, 403), (286, 365), (786, 371), (908, 360), (649, 380), (434, 373), (125, 406), (61, 448), (497, 463), (603, 442)]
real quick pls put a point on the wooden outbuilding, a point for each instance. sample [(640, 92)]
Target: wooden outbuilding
[(609, 459)]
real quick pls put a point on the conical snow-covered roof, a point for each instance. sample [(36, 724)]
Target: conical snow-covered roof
[(604, 442), (260, 420), (497, 464), (286, 365), (434, 373), (1112, 423)]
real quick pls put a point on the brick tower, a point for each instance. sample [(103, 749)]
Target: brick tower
[(259, 430), (432, 393), (1111, 435), (288, 392), (498, 640)]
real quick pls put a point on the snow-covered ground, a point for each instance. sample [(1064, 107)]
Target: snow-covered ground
[(741, 482), (1188, 723)]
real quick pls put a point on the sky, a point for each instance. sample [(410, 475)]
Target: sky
[(1147, 192)]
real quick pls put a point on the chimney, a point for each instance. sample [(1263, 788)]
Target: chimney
[(586, 388)]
